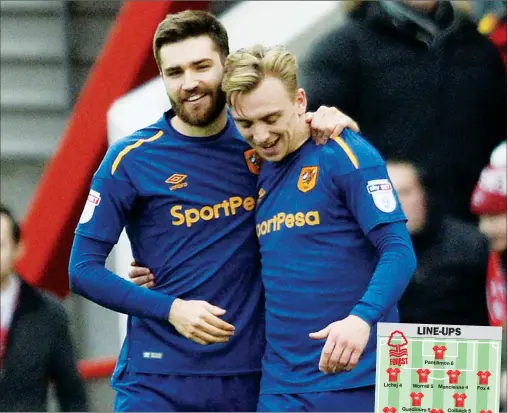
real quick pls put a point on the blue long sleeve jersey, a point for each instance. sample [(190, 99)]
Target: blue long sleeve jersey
[(187, 205), (333, 243)]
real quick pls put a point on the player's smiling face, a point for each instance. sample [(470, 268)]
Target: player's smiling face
[(269, 119), (192, 71)]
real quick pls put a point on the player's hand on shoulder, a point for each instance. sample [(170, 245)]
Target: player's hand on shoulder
[(199, 321), (141, 276), (328, 122), (345, 341)]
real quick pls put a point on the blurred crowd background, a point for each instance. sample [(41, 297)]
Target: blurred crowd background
[(426, 82)]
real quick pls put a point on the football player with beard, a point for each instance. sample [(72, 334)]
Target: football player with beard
[(185, 190)]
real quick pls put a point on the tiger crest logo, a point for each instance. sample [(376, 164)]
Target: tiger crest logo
[(308, 178), (253, 160)]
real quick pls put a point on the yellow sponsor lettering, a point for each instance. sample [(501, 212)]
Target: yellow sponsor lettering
[(299, 219), (282, 219), (228, 207), (249, 203), (207, 213), (216, 211), (175, 212), (272, 223), (312, 218), (290, 221), (191, 216), (235, 202), (281, 216)]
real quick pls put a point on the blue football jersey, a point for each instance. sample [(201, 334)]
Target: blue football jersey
[(188, 207), (313, 212)]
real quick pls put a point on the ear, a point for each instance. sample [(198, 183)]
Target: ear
[(301, 102)]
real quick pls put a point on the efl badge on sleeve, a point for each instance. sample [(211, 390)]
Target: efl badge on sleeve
[(94, 199), (308, 178), (382, 193), (253, 160)]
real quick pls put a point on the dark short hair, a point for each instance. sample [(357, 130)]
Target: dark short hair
[(190, 23), (16, 230)]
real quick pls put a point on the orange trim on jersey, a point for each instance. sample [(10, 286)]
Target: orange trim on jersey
[(129, 148), (352, 157)]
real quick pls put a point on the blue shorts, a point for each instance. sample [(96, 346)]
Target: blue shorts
[(361, 399), (140, 392)]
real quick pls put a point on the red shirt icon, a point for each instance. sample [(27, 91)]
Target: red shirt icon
[(417, 398), (392, 374), (453, 376), (484, 377), (485, 411), (392, 410), (459, 399), (423, 375), (438, 411), (439, 352)]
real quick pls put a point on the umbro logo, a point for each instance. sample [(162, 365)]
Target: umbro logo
[(177, 181)]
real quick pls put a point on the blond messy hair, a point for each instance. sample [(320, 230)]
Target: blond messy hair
[(245, 69)]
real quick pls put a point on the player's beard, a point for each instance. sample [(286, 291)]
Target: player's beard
[(202, 117)]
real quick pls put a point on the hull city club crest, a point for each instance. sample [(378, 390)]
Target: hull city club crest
[(253, 160), (308, 178)]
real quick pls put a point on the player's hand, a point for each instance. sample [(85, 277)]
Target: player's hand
[(141, 276), (345, 341), (199, 321), (328, 123)]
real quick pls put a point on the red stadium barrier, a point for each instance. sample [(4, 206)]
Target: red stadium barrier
[(125, 63), (97, 369)]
